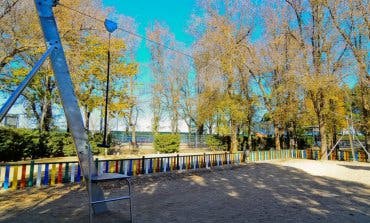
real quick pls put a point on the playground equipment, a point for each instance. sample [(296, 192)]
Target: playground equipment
[(69, 101), (352, 136)]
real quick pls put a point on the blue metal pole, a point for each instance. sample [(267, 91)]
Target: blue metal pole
[(69, 101), (110, 26), (14, 96), (105, 136)]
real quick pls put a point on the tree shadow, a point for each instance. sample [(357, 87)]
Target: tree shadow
[(259, 192), (61, 204), (356, 167)]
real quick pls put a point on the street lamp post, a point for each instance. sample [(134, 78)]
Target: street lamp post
[(110, 26)]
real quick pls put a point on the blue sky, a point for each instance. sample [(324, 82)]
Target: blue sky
[(176, 14)]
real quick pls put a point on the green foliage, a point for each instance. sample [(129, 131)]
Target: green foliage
[(9, 145), (32, 143), (216, 142), (96, 139), (308, 142), (167, 143), (62, 144), (18, 144), (263, 142), (56, 141)]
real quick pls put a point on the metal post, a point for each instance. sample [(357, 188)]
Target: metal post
[(110, 26), (68, 97), (105, 140), (17, 92)]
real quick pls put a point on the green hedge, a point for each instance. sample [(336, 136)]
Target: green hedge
[(18, 144), (167, 143), (11, 145), (216, 142)]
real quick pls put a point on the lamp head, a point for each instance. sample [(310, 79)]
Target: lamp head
[(110, 26)]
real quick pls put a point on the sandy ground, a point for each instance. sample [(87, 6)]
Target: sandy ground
[(278, 191)]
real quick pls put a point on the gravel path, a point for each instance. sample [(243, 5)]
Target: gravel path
[(278, 191)]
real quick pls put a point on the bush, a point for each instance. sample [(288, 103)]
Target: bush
[(56, 141), (30, 143), (9, 145), (61, 144), (95, 139), (18, 144), (167, 143), (216, 142)]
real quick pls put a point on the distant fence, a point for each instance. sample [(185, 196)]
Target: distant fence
[(192, 139), (306, 154), (32, 174)]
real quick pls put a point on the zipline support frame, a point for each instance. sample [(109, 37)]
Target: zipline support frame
[(68, 97), (18, 91), (70, 105)]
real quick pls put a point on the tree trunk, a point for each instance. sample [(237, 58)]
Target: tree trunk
[(335, 139), (155, 124), (367, 141), (295, 136), (365, 116), (324, 144), (291, 136), (175, 122), (330, 138), (291, 142), (200, 129), (217, 125), (277, 137), (234, 138), (48, 119), (127, 130), (199, 134), (249, 128), (46, 116), (283, 142), (189, 133), (87, 120), (210, 129), (351, 144), (133, 135), (250, 141)]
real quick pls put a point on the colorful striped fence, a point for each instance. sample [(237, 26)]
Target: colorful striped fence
[(21, 176)]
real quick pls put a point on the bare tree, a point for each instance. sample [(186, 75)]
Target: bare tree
[(352, 20)]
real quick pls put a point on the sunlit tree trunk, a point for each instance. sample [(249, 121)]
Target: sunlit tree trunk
[(324, 144), (277, 136), (234, 137)]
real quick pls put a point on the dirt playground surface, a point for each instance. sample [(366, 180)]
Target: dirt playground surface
[(277, 191)]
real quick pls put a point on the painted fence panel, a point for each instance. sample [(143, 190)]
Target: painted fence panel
[(23, 176)]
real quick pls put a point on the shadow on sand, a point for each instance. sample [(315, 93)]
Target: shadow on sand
[(259, 192), (356, 167)]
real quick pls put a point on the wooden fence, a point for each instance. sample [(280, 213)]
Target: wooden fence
[(32, 174)]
